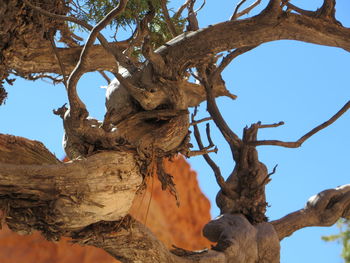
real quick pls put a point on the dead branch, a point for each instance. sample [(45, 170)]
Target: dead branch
[(205, 150), (302, 139), (232, 139), (201, 7), (245, 11), (77, 107), (181, 9), (142, 245), (234, 16), (200, 121), (274, 125), (105, 76), (323, 209), (54, 49), (301, 11), (229, 58), (217, 172)]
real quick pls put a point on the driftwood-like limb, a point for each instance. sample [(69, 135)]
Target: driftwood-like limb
[(130, 241), (323, 209), (19, 150), (38, 192), (302, 139)]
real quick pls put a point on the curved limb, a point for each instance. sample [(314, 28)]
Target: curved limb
[(323, 209)]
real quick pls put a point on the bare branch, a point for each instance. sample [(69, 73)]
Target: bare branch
[(246, 11), (105, 76), (200, 121), (201, 7), (302, 139), (206, 150), (234, 16), (228, 59), (217, 172), (232, 139), (167, 18), (76, 105), (54, 49), (274, 125), (297, 9), (323, 209), (181, 9)]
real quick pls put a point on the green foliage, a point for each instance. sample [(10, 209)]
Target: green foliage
[(92, 11), (343, 237), (135, 10)]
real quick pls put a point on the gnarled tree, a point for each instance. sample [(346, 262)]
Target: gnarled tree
[(166, 66)]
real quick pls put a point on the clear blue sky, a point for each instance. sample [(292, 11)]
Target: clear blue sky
[(300, 84)]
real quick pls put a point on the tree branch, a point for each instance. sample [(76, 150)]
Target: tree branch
[(76, 105), (141, 245), (302, 139), (323, 209), (167, 18), (257, 30), (65, 196), (237, 14), (187, 49)]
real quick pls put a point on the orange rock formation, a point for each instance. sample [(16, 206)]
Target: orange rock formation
[(157, 209)]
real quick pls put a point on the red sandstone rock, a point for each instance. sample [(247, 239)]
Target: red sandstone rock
[(180, 226)]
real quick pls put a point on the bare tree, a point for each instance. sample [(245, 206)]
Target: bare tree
[(147, 119)]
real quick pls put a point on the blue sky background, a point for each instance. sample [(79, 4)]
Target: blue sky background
[(298, 83)]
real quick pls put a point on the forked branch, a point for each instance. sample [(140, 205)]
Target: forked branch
[(237, 14), (302, 139)]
